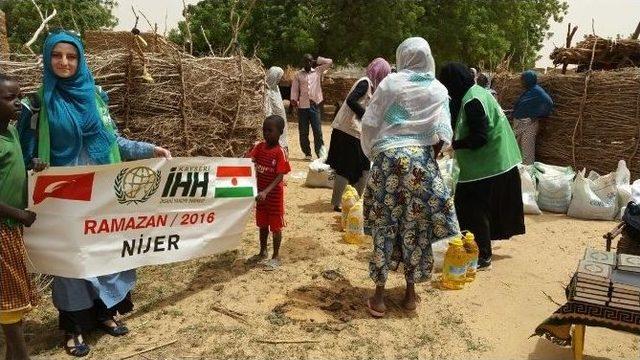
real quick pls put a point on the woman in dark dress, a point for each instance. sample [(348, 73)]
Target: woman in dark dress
[(345, 153)]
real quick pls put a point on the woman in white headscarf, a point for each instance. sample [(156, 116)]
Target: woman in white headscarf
[(273, 102), (407, 205)]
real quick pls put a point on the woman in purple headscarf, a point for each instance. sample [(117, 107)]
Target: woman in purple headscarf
[(345, 153)]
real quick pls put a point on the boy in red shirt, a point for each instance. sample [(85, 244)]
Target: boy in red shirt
[(271, 166)]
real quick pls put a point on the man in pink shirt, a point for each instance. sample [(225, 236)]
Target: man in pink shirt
[(306, 95)]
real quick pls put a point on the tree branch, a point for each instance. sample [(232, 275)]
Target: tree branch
[(239, 24), (146, 19), (38, 8), (207, 41), (636, 33), (135, 26), (40, 28), (166, 15), (185, 13)]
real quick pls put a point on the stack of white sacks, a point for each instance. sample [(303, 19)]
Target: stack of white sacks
[(560, 190), (592, 197)]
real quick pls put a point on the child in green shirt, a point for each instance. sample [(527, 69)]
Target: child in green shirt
[(17, 294)]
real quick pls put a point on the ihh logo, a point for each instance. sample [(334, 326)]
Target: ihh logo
[(188, 182)]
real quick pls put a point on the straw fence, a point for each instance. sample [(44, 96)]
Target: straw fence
[(596, 121), (194, 106)]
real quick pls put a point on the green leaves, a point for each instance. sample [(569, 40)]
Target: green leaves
[(81, 15), (480, 33)]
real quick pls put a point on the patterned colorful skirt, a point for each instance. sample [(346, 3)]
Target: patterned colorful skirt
[(17, 292), (407, 206)]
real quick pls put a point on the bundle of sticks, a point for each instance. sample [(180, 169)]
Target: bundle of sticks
[(607, 53)]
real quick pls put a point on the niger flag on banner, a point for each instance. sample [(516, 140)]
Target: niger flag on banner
[(234, 182)]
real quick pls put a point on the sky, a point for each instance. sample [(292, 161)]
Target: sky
[(611, 17)]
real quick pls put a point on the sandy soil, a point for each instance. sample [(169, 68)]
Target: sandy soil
[(218, 308)]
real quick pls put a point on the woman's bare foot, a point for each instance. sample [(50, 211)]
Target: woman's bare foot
[(376, 305), (411, 300)]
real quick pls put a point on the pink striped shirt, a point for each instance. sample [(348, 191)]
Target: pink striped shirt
[(307, 86)]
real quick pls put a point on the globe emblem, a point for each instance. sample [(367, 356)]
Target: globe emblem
[(136, 185)]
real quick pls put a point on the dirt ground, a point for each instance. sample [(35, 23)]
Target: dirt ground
[(218, 308)]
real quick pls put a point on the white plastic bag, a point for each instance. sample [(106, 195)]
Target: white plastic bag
[(635, 192), (594, 197), (624, 196), (320, 175), (439, 248), (623, 182), (623, 175), (529, 191), (634, 195), (554, 187), (449, 171)]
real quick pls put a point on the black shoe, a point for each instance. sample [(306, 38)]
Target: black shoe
[(337, 209), (484, 265), (118, 330), (79, 349)]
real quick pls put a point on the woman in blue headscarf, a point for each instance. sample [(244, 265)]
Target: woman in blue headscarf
[(532, 105), (73, 127)]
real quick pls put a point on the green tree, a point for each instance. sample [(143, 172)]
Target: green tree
[(481, 33), (360, 30), (279, 31), (79, 15)]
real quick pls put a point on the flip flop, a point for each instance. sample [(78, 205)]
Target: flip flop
[(271, 265), (375, 313)]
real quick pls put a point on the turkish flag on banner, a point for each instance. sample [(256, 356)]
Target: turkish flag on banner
[(69, 187)]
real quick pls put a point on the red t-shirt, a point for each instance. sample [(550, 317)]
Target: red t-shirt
[(269, 164)]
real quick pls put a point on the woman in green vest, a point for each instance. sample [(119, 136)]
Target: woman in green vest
[(488, 196)]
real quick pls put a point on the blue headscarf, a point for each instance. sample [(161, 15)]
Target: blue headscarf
[(74, 121), (534, 102)]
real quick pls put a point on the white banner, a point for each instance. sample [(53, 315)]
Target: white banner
[(98, 220)]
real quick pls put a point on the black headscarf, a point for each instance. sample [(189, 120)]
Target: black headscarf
[(458, 79)]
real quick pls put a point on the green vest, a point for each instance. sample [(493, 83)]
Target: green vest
[(500, 154), (44, 140)]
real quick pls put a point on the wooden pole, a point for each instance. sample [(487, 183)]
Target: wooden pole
[(636, 33), (187, 22), (183, 103), (583, 102), (577, 341), (127, 90), (570, 34), (148, 350)]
